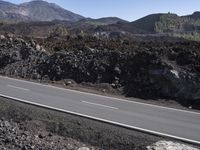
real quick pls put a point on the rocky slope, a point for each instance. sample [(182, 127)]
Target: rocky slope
[(9, 11), (36, 10), (29, 136), (151, 70)]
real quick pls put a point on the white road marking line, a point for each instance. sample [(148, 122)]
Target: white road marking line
[(104, 120), (16, 87), (99, 105), (108, 97)]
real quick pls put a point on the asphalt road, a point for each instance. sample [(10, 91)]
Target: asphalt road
[(179, 124)]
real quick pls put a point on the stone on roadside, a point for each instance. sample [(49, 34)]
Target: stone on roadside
[(2, 37), (169, 145), (83, 148)]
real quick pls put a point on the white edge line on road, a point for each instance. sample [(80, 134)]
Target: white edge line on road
[(99, 105), (104, 120), (118, 99), (16, 87)]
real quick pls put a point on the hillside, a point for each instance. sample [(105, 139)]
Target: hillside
[(156, 23), (147, 23), (12, 12), (40, 18), (187, 27), (195, 15), (37, 10)]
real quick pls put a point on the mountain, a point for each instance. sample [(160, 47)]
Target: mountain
[(11, 12), (50, 18), (36, 10), (195, 15)]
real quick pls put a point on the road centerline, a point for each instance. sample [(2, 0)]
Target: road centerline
[(99, 105), (16, 87), (103, 96), (105, 120), (170, 129)]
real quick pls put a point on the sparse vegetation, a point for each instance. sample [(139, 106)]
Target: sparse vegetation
[(168, 23), (183, 27), (58, 31)]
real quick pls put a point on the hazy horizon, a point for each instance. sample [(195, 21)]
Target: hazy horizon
[(126, 9)]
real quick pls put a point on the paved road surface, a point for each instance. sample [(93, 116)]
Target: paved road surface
[(174, 123)]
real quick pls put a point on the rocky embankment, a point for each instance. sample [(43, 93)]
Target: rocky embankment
[(170, 71)]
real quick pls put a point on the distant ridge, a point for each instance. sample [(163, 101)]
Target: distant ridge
[(195, 15), (50, 16)]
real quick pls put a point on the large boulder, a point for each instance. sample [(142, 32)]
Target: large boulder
[(169, 145)]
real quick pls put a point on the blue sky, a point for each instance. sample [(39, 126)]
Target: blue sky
[(125, 9)]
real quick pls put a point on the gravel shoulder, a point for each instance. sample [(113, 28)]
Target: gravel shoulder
[(45, 126), (89, 132)]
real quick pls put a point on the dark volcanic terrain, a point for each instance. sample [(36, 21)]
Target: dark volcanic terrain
[(148, 69), (155, 59)]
